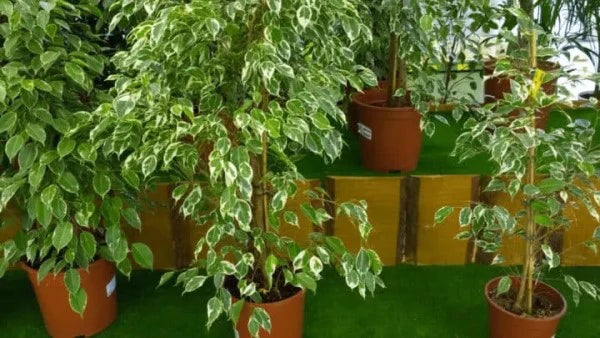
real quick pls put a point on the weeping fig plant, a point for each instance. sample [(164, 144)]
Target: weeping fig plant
[(221, 98), (550, 170), (70, 199)]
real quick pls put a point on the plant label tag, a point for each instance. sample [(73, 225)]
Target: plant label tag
[(365, 131), (111, 286)]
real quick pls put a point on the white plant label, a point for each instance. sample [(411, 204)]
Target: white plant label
[(365, 131), (111, 286)]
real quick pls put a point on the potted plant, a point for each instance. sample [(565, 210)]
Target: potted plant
[(221, 99), (545, 13), (549, 171), (389, 115), (71, 201)]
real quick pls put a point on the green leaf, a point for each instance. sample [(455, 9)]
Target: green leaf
[(45, 268), (7, 121), (270, 266), (142, 255), (304, 16), (551, 185), (36, 132), (214, 308), (167, 276), (132, 218), (66, 146), (503, 286), (48, 194), (442, 214), (48, 58), (68, 182), (236, 310), (291, 218), (194, 283), (149, 165), (426, 22), (62, 235), (87, 241), (72, 280), (101, 183), (274, 5), (306, 281), (78, 301), (13, 146), (76, 73)]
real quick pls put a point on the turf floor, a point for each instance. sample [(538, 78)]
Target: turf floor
[(430, 301), (435, 155)]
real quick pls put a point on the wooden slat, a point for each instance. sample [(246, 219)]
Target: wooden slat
[(406, 251), (437, 245), (383, 198)]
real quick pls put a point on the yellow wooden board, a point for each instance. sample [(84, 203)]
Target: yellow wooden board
[(383, 198), (575, 253), (437, 245), (156, 227)]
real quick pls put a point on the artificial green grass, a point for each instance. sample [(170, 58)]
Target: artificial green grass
[(418, 302), (435, 156)]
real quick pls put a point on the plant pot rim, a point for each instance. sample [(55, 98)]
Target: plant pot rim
[(298, 294), (23, 265), (367, 105), (543, 319)]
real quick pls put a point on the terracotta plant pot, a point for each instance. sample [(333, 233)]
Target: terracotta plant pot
[(287, 318), (99, 281), (495, 87), (390, 137), (505, 324)]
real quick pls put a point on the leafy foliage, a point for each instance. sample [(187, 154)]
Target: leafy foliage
[(51, 60), (564, 158), (222, 97)]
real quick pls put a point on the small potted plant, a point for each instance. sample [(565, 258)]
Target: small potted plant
[(389, 116), (71, 201), (222, 99), (549, 171)]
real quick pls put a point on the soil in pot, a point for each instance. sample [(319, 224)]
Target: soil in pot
[(98, 280), (549, 306), (285, 307), (390, 137)]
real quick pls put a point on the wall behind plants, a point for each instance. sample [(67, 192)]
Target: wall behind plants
[(401, 210)]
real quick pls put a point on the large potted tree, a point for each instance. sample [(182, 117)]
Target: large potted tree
[(71, 201), (550, 171), (389, 116), (221, 99)]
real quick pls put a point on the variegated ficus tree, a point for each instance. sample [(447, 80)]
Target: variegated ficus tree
[(70, 199), (550, 171), (222, 97)]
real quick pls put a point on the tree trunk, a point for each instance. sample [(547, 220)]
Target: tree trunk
[(526, 286), (393, 70)]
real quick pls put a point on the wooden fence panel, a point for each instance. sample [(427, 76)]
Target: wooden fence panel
[(437, 245)]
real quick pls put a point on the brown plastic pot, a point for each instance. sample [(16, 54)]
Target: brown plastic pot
[(505, 324), (390, 137), (99, 282), (495, 87), (287, 318)]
